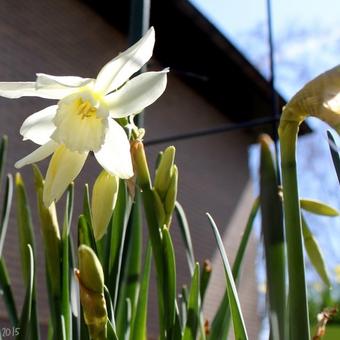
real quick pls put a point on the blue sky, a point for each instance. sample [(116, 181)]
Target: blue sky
[(307, 42), (305, 35)]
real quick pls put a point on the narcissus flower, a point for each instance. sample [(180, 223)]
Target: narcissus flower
[(84, 118), (319, 98)]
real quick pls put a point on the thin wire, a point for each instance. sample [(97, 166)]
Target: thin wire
[(274, 96), (212, 131)]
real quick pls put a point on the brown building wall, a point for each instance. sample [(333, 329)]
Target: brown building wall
[(65, 37)]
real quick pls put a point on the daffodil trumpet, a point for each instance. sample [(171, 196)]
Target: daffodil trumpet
[(319, 98), (86, 116)]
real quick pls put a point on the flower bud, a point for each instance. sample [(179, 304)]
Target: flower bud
[(319, 98), (104, 197), (91, 283), (140, 164), (164, 171), (90, 269)]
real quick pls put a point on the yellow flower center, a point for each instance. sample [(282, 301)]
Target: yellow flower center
[(79, 125), (86, 110)]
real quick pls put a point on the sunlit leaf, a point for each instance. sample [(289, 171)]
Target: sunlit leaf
[(169, 280), (26, 314), (273, 240), (193, 307), (185, 232), (235, 308), (318, 207), (220, 325), (314, 253), (139, 324)]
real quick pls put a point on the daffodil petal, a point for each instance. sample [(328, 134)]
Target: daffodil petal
[(14, 90), (37, 155), (64, 167), (137, 94), (117, 71), (49, 81), (39, 126), (17, 89), (114, 156)]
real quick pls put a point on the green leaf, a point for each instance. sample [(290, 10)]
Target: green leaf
[(26, 238), (87, 205), (86, 223), (244, 240), (193, 311), (274, 241), (26, 313), (139, 324), (150, 206), (205, 278), (235, 308), (314, 253), (52, 245), (111, 334), (85, 235), (25, 225), (65, 296), (184, 306), (169, 280), (109, 306), (185, 232), (220, 325), (335, 153), (129, 284), (3, 154), (115, 242), (177, 330), (74, 297), (128, 320), (54, 304), (318, 207), (6, 209), (49, 228), (5, 286)]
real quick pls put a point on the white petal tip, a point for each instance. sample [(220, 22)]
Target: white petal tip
[(18, 165), (126, 175), (151, 31)]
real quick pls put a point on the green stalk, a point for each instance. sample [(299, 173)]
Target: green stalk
[(152, 214), (274, 241), (297, 293)]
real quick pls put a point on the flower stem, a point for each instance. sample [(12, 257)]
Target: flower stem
[(297, 293)]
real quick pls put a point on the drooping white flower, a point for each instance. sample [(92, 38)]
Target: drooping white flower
[(84, 118), (319, 98)]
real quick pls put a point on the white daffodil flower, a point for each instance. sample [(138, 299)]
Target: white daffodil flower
[(84, 118), (319, 98)]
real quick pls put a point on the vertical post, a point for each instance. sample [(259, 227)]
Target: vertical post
[(139, 24)]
